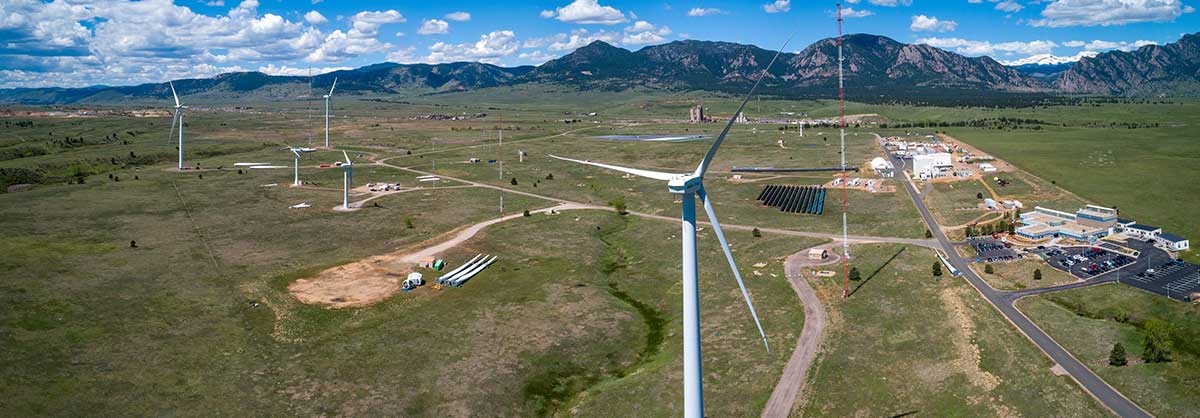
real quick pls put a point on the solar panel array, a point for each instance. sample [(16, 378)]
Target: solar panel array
[(794, 199)]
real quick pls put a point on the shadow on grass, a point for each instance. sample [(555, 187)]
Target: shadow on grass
[(876, 272)]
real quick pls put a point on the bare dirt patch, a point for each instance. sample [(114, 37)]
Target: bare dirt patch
[(350, 285)]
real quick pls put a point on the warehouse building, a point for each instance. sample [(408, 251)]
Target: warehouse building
[(933, 165), (1145, 232), (1087, 224), (1173, 242), (883, 167)]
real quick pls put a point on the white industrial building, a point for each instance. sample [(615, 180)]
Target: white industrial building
[(1172, 242), (933, 165), (883, 167), (987, 168)]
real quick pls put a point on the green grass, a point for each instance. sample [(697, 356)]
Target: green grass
[(905, 342), (1017, 275), (954, 204), (1085, 322)]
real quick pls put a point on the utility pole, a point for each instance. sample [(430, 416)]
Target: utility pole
[(500, 161)]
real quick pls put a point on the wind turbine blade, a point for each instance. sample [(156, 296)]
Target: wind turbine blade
[(173, 93), (643, 173), (712, 151), (174, 118), (296, 152), (333, 86), (712, 218), (347, 157)]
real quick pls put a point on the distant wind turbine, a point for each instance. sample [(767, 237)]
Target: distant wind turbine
[(689, 186), (328, 99), (178, 117)]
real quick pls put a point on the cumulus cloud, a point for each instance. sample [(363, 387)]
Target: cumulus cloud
[(315, 18), (1062, 13), (586, 12), (1009, 6), (581, 37), (490, 48), (890, 3), (779, 6), (1101, 45), (705, 11), (535, 57), (1073, 44), (850, 12), (272, 69), (458, 16), (969, 47), (434, 27), (922, 23)]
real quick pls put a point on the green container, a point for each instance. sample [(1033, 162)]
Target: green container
[(439, 264)]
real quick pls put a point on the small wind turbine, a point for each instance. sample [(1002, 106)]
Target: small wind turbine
[(328, 99), (296, 151), (689, 186), (347, 178), (178, 117)]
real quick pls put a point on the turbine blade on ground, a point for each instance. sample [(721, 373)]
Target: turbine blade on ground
[(712, 151), (637, 172), (712, 218)]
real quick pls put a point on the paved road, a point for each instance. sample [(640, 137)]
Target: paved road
[(795, 374), (1003, 301)]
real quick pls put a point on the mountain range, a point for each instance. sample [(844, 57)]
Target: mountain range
[(877, 69)]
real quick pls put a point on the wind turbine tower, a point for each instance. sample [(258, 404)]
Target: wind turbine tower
[(328, 99), (842, 133), (689, 186), (347, 179), (178, 117), (296, 152)]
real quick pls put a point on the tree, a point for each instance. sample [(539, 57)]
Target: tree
[(979, 195), (408, 222), (550, 176), (1158, 341), (1037, 274), (514, 181), (619, 205), (527, 213), (987, 268), (937, 269), (854, 274), (928, 234), (1117, 356), (756, 233), (970, 231)]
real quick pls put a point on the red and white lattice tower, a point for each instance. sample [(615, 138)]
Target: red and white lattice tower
[(842, 129)]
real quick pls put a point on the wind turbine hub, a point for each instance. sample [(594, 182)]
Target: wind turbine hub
[(685, 183)]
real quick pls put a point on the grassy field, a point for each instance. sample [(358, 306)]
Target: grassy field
[(954, 204), (1017, 275), (1088, 321), (581, 318), (908, 343)]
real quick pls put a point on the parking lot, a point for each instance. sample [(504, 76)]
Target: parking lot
[(1156, 272), (988, 249), (1085, 262)]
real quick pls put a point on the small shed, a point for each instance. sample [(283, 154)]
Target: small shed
[(818, 254), (426, 263)]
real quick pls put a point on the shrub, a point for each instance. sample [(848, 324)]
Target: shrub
[(988, 269), (1117, 356), (756, 233)]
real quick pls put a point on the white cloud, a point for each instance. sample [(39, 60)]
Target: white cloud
[(850, 12), (581, 37), (1073, 44), (546, 14), (1062, 13), (535, 57), (434, 27), (315, 18), (969, 47), (705, 11), (1009, 6), (1101, 45), (890, 3), (490, 48), (640, 26), (298, 71), (540, 42), (922, 23), (1189, 9), (586, 12), (779, 6), (366, 24), (404, 55), (459, 16), (215, 3)]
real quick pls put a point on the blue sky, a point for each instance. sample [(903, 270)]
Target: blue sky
[(80, 43)]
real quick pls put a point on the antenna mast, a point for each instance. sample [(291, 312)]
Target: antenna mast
[(500, 161), (842, 133)]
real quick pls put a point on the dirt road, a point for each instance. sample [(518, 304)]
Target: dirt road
[(796, 373)]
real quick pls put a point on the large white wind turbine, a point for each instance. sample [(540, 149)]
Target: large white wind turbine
[(347, 178), (689, 186), (328, 98), (178, 117)]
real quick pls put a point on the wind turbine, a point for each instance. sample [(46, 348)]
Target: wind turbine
[(328, 99), (178, 117), (296, 152), (689, 186), (347, 178)]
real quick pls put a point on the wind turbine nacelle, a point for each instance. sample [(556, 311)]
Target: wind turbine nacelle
[(687, 183)]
